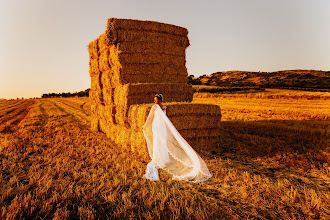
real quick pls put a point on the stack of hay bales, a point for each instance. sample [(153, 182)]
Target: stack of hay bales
[(130, 63)]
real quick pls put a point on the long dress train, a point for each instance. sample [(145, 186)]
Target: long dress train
[(170, 151)]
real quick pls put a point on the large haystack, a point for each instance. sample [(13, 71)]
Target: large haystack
[(130, 63)]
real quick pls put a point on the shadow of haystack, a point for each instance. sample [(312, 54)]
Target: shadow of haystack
[(131, 62)]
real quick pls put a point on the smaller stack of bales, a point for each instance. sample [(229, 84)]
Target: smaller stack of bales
[(130, 63), (198, 123)]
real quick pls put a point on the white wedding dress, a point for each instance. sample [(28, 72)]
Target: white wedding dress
[(170, 151)]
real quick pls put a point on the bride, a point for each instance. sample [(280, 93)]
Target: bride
[(169, 150)]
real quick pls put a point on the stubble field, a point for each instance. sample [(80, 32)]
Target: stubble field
[(272, 162)]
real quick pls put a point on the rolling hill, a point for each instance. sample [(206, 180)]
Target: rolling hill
[(289, 79)]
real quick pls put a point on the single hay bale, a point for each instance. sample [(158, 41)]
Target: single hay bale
[(146, 58), (154, 78), (106, 113), (102, 45), (131, 24), (106, 79), (104, 64), (93, 49), (96, 93), (93, 58), (184, 116), (200, 121), (94, 67), (200, 133), (137, 116), (153, 37), (115, 28), (118, 133), (108, 94), (119, 76), (152, 69), (199, 125), (204, 143), (151, 48)]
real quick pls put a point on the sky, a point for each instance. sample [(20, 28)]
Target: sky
[(44, 43)]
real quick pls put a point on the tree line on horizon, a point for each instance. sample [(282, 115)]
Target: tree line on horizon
[(84, 93)]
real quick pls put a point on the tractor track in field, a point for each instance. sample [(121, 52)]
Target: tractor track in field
[(80, 108), (9, 104), (10, 121), (69, 110)]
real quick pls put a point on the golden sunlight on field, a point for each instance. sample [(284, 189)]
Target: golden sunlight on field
[(272, 162)]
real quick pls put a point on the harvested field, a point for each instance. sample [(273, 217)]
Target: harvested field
[(270, 164)]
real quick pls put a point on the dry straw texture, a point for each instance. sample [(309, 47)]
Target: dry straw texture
[(273, 163)]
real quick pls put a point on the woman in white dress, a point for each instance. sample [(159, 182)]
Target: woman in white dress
[(169, 150)]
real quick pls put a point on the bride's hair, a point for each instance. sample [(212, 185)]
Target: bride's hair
[(160, 96)]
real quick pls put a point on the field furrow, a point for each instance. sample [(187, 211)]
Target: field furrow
[(78, 114), (14, 117), (10, 106)]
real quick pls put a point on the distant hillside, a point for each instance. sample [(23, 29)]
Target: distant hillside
[(290, 79)]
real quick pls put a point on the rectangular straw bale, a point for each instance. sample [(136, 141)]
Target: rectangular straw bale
[(146, 73), (94, 96), (204, 143), (172, 92), (102, 45), (94, 67), (108, 95), (117, 57), (150, 47), (96, 93), (137, 115), (177, 109), (154, 78), (104, 64), (106, 79), (152, 68), (95, 118), (183, 115), (114, 26), (93, 58), (106, 113), (145, 36), (93, 49), (131, 24), (117, 133), (198, 132), (200, 121), (124, 58)]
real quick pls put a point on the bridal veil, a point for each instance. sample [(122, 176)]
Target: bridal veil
[(170, 151)]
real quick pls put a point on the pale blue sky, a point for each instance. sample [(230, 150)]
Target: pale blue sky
[(43, 43)]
